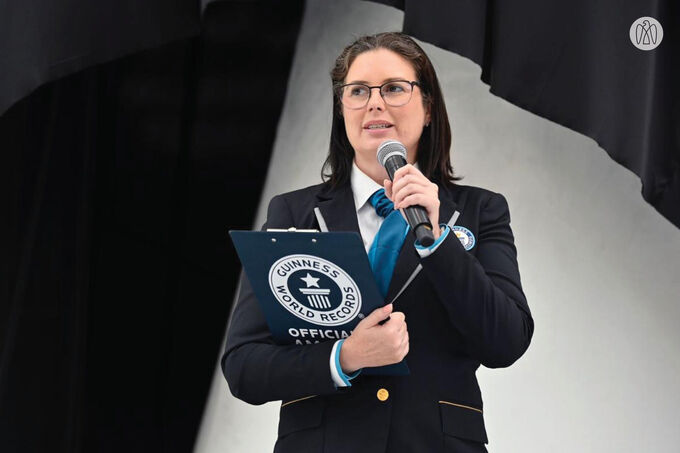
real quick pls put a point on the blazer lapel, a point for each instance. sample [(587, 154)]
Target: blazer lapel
[(408, 263), (337, 207), (447, 207)]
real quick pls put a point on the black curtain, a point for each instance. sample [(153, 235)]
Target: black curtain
[(120, 183), (572, 62), (43, 40)]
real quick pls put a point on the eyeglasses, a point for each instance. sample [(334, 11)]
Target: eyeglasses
[(395, 93)]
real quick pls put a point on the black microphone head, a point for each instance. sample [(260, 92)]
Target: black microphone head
[(390, 148)]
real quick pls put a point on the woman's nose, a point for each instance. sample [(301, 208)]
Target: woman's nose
[(375, 100)]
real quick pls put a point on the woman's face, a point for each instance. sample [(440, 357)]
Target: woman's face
[(405, 123)]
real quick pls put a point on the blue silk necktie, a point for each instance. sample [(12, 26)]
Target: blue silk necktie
[(387, 243)]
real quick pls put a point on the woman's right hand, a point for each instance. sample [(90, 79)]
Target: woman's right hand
[(372, 344)]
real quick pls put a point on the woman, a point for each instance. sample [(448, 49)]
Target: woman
[(462, 296)]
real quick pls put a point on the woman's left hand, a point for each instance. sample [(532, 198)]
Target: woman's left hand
[(411, 187)]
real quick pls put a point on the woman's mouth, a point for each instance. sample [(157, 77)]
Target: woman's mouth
[(377, 126)]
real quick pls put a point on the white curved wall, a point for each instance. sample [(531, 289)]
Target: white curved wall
[(600, 267)]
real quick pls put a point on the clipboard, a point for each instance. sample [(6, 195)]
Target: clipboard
[(312, 286)]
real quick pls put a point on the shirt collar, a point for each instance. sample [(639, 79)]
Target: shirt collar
[(362, 186)]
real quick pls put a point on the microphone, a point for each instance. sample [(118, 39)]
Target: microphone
[(392, 156)]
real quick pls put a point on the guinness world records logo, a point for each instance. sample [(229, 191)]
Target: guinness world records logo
[(315, 289), (465, 236)]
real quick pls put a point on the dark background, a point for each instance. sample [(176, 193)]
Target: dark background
[(120, 183), (571, 62)]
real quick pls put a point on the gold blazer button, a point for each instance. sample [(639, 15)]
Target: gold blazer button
[(383, 394)]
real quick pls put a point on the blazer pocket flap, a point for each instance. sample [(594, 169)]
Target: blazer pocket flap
[(300, 414), (463, 421)]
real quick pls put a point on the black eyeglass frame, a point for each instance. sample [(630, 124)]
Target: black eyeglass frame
[(370, 92)]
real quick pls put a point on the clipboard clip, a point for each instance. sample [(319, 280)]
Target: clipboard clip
[(291, 230)]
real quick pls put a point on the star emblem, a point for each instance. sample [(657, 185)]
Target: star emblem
[(310, 281)]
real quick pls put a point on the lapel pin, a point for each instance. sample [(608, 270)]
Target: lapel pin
[(465, 236)]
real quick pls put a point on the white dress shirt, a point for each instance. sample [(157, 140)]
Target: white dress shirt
[(369, 220)]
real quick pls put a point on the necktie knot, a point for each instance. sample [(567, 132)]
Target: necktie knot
[(383, 206)]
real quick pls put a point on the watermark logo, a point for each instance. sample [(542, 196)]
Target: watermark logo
[(646, 33)]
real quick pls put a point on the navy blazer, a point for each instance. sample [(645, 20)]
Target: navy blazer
[(463, 309)]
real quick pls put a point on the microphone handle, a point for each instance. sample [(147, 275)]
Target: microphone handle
[(416, 215)]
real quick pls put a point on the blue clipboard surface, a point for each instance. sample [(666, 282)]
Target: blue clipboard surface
[(311, 286)]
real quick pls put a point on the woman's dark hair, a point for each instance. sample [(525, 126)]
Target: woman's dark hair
[(435, 142)]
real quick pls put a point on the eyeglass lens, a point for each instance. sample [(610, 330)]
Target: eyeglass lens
[(395, 93)]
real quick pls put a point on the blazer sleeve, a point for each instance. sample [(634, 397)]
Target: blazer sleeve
[(258, 370), (482, 294)]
